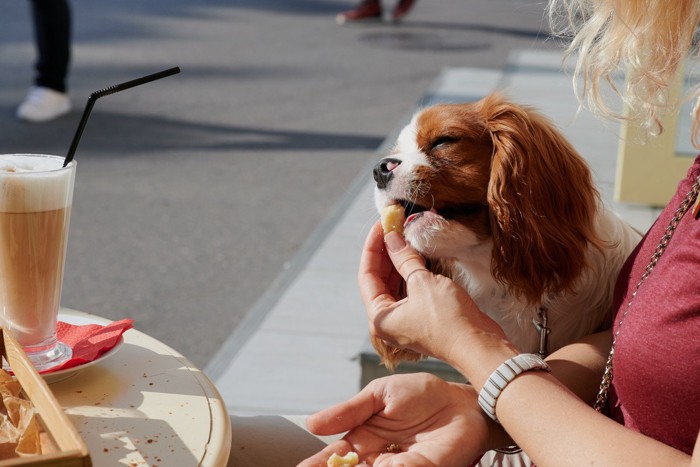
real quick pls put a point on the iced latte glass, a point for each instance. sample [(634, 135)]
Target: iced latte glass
[(36, 195)]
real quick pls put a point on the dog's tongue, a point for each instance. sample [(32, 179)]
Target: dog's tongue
[(416, 215), (412, 217)]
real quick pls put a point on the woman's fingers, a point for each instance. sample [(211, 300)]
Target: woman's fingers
[(320, 459), (350, 413), (406, 259), (386, 262), (375, 268)]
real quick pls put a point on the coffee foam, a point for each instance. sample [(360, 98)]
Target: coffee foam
[(31, 183)]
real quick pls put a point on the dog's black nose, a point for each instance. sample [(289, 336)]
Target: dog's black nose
[(383, 171)]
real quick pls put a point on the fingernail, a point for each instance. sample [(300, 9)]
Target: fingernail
[(394, 242)]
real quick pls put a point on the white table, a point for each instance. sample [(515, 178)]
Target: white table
[(146, 405)]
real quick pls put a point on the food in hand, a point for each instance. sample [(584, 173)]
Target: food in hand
[(393, 218), (348, 460)]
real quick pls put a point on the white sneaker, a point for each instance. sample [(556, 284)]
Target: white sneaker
[(43, 105)]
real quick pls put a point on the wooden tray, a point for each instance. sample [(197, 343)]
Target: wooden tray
[(70, 449)]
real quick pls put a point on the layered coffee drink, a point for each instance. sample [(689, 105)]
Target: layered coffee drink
[(36, 195)]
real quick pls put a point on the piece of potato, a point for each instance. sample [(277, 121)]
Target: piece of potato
[(348, 460), (393, 218)]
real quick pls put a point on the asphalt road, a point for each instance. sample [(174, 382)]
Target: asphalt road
[(194, 193)]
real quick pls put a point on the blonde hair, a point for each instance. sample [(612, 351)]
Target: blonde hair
[(648, 39)]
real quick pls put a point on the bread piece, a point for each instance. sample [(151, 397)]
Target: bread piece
[(348, 460), (393, 218)]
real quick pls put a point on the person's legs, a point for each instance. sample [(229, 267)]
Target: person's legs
[(52, 29), (47, 99)]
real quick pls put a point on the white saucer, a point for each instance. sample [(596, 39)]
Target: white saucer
[(60, 375)]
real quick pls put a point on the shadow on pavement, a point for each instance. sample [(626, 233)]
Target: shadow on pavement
[(120, 131)]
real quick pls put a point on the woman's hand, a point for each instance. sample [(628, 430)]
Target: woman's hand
[(426, 420), (436, 318)]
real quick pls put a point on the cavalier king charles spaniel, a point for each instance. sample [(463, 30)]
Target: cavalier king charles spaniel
[(498, 200)]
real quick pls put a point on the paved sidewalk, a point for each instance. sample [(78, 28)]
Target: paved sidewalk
[(297, 351)]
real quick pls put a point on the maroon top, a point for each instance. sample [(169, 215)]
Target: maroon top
[(656, 382)]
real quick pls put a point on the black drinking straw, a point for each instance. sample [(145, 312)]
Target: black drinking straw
[(106, 92)]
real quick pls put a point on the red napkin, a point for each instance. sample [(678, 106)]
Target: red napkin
[(89, 341)]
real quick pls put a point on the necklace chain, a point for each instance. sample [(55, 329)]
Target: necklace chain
[(692, 195)]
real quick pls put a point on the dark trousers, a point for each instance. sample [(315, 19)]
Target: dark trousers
[(52, 30)]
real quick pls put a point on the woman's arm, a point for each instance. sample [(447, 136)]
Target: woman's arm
[(580, 366), (548, 420), (552, 425)]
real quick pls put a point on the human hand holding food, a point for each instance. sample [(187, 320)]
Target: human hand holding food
[(437, 317), (410, 420)]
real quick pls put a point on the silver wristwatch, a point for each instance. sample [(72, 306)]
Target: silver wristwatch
[(503, 375)]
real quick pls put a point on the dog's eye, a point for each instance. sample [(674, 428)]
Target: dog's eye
[(442, 141)]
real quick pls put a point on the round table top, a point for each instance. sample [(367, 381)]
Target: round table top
[(145, 405)]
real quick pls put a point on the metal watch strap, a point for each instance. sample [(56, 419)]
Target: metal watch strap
[(503, 375)]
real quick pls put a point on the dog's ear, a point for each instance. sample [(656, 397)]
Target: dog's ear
[(391, 356), (542, 201)]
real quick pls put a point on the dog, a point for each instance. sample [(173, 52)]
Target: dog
[(498, 200)]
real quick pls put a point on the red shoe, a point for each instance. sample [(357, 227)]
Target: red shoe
[(367, 10), (402, 9)]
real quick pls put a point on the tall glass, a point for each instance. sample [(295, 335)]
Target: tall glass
[(36, 195)]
